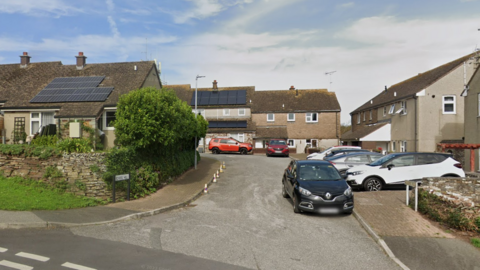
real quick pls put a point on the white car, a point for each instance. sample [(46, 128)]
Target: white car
[(396, 168), (321, 155)]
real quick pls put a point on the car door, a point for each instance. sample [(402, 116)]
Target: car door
[(399, 169), (224, 145), (290, 181), (233, 146)]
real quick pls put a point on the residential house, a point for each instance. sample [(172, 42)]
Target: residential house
[(227, 109), (34, 95), (308, 118), (415, 114)]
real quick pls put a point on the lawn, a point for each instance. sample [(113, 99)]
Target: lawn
[(20, 194)]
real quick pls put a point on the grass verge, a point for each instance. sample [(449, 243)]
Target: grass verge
[(475, 242), (21, 194)]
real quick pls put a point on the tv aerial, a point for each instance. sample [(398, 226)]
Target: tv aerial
[(329, 73)]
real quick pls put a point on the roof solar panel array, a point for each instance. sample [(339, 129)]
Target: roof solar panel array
[(73, 89), (230, 97), (227, 124)]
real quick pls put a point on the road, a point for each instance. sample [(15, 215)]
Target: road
[(243, 222)]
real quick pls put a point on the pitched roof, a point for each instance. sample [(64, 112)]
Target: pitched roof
[(185, 92), (305, 100), (360, 133), (272, 132), (19, 85), (250, 126), (411, 86)]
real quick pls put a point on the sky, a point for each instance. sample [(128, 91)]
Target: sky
[(353, 48)]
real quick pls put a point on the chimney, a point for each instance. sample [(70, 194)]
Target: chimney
[(24, 60), (215, 87), (385, 88), (81, 60), (292, 88)]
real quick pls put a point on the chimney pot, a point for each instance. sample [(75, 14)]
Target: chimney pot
[(24, 60), (81, 60), (80, 53), (215, 87), (292, 88)]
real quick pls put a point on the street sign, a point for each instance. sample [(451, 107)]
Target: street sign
[(122, 177)]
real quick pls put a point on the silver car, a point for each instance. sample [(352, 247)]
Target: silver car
[(347, 161)]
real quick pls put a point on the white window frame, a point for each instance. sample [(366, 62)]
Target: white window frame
[(293, 142), (289, 119), (403, 146), (358, 118), (393, 146), (384, 111), (35, 119), (237, 136), (309, 117), (449, 102), (309, 144), (273, 117), (364, 113), (403, 105), (104, 122), (370, 115), (392, 109), (226, 112), (241, 110)]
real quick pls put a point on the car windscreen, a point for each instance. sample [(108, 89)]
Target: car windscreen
[(278, 142), (382, 160), (318, 172)]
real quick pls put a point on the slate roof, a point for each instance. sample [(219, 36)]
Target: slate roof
[(410, 87), (279, 132), (19, 85), (305, 100), (360, 133)]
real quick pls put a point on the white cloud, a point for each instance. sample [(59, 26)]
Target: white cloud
[(38, 7), (113, 27), (110, 5), (347, 5)]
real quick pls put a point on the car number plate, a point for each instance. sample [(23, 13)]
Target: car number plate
[(328, 210)]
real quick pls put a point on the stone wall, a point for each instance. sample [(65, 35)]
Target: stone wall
[(461, 191), (83, 172)]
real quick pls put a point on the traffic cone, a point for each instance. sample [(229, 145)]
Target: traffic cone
[(214, 178), (205, 190), (221, 169), (218, 175), (224, 164)]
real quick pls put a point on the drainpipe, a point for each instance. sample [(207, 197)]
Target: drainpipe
[(416, 115)]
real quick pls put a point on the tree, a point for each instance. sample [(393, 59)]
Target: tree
[(344, 127), (155, 120)]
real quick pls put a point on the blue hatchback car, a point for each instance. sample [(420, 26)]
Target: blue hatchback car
[(316, 186)]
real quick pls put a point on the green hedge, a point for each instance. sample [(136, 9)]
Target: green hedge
[(43, 152)]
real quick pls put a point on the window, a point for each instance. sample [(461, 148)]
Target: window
[(39, 120), (270, 117), (241, 112), (358, 118), (291, 143), (384, 111), (109, 117), (393, 146), (226, 112), (358, 159), (402, 161), (238, 136), (364, 116), (403, 146), (370, 115), (311, 117), (311, 143), (392, 109), (449, 105), (403, 106), (291, 117)]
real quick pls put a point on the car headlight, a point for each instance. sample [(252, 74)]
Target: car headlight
[(356, 173), (348, 192), (304, 191)]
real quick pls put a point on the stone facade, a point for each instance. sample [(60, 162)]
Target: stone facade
[(83, 172), (464, 192)]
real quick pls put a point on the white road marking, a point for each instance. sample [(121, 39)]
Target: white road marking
[(15, 265), (3, 249), (32, 256), (76, 266)]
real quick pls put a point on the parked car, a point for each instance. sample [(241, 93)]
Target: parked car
[(277, 147), (396, 168), (320, 155), (316, 186), (219, 145), (349, 160), (341, 152)]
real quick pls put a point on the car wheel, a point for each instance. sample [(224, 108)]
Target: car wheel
[(373, 184), (243, 151), (215, 151), (287, 156), (295, 204), (284, 192), (348, 212)]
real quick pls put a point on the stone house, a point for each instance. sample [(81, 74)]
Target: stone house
[(36, 95), (308, 118), (416, 114)]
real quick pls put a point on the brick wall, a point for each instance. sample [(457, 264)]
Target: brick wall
[(461, 191), (76, 169)]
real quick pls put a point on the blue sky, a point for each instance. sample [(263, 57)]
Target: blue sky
[(270, 44)]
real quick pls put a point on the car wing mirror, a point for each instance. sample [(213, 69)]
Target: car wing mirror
[(390, 166)]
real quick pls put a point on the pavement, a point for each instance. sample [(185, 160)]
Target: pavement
[(408, 238)]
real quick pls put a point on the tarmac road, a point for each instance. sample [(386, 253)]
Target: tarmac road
[(244, 221)]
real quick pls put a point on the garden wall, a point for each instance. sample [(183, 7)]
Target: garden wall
[(82, 171), (461, 191)]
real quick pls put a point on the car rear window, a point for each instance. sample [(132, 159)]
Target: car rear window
[(223, 141), (423, 159)]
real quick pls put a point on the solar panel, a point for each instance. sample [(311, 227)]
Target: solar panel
[(242, 97), (73, 89), (230, 97), (227, 124)]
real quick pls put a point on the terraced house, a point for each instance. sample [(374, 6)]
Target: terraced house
[(45, 94), (416, 114)]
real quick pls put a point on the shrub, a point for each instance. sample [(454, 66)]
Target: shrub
[(475, 242), (50, 140), (53, 172), (78, 145), (43, 152)]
